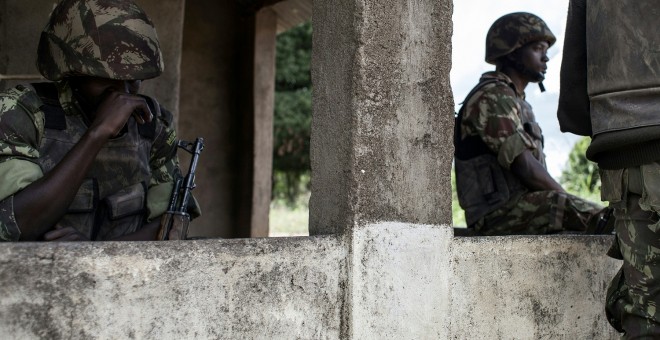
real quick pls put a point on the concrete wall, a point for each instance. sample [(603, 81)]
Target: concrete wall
[(389, 280), (531, 287), (242, 289)]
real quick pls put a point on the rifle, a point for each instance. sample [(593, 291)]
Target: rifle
[(175, 221), (604, 226)]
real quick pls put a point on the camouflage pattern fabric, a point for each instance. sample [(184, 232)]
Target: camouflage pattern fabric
[(541, 212), (514, 30), (507, 125), (634, 294), (498, 115), (111, 39), (27, 151)]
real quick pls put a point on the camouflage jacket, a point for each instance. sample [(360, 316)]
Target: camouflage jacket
[(496, 125), (613, 96), (503, 120), (129, 183)]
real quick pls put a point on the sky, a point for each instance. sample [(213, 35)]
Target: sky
[(472, 18)]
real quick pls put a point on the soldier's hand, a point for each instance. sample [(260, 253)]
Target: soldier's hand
[(115, 109), (64, 234)]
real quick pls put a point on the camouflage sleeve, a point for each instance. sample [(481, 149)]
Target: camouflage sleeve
[(21, 130), (494, 115), (164, 166)]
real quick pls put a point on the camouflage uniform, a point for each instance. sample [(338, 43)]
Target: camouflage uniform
[(613, 97), (504, 121), (131, 178)]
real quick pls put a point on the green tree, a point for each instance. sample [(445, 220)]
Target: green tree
[(580, 176), (293, 113)]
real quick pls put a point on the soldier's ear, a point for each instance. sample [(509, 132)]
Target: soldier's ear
[(513, 56)]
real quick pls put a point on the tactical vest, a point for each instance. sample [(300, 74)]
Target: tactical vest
[(112, 199), (482, 184)]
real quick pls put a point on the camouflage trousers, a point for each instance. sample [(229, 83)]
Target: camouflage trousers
[(633, 297), (541, 212)]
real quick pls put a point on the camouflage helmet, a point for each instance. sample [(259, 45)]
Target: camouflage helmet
[(512, 31), (111, 39)]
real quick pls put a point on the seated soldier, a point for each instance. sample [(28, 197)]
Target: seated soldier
[(502, 181), (85, 157)]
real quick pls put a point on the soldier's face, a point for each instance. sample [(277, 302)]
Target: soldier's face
[(534, 57), (94, 89)]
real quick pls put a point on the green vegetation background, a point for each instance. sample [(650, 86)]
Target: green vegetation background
[(292, 131)]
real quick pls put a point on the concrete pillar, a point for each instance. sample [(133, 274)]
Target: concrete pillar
[(383, 113), (264, 101), (381, 159)]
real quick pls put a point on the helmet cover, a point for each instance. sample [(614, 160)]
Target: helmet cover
[(514, 30), (111, 39)]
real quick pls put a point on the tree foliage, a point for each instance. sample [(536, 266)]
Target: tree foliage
[(293, 112), (580, 176)]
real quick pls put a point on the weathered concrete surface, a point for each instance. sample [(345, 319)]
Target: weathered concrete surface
[(237, 289), (386, 280), (382, 111), (539, 287), (398, 282)]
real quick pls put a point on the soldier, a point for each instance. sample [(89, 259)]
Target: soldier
[(502, 181), (85, 157), (609, 91)]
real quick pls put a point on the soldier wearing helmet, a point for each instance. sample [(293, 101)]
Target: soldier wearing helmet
[(502, 181), (85, 157)]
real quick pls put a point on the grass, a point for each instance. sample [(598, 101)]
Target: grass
[(289, 219)]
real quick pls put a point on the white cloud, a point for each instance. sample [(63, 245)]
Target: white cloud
[(472, 18)]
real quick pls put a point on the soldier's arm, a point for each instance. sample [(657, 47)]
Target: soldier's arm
[(532, 173), (42, 203)]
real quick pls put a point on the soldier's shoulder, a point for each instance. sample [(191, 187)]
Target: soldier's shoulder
[(491, 95), (22, 97), (495, 89), (20, 111)]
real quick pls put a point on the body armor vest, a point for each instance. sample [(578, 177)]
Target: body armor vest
[(482, 184), (112, 199)]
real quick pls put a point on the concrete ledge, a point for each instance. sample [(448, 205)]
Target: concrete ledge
[(531, 287), (383, 280), (251, 288)]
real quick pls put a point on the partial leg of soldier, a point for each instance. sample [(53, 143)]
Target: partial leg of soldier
[(541, 212), (640, 247)]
